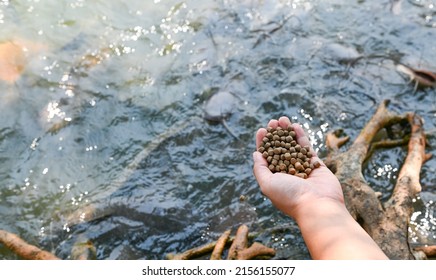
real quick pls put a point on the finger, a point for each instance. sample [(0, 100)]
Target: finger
[(273, 123), (261, 170), (302, 138), (261, 132), (284, 122)]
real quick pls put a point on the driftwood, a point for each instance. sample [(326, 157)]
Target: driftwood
[(239, 249), (24, 249), (386, 222)]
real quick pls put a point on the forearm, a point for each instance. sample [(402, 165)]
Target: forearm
[(331, 233)]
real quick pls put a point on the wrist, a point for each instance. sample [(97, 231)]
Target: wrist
[(322, 208), (330, 232)]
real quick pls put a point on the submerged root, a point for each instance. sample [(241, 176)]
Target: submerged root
[(239, 249)]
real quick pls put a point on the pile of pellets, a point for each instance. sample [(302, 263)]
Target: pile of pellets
[(284, 154)]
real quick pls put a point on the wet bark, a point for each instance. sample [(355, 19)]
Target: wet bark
[(386, 222), (24, 249), (239, 248)]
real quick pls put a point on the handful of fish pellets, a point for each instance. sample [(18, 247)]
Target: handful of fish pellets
[(282, 152)]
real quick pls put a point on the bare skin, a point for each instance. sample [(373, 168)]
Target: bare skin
[(316, 204)]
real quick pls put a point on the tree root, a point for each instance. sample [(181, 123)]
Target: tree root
[(429, 251), (238, 250), (220, 246), (387, 223), (23, 249), (334, 141)]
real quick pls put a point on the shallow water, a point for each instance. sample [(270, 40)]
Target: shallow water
[(108, 113)]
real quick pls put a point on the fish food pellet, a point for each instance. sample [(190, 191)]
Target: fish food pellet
[(284, 154)]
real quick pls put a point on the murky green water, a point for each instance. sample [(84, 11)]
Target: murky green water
[(108, 113)]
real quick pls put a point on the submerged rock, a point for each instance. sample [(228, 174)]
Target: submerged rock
[(12, 61), (340, 53), (14, 56), (219, 106)]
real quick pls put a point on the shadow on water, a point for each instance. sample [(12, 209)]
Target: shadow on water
[(106, 138)]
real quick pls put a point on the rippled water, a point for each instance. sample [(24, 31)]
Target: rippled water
[(102, 137)]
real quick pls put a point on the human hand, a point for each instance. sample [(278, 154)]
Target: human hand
[(290, 193)]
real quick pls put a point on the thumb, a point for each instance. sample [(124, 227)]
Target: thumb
[(261, 170)]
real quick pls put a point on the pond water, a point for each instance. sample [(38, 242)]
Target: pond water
[(102, 135)]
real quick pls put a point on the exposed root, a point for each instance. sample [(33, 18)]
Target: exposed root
[(387, 223), (239, 249), (220, 245), (23, 249), (429, 251), (334, 140)]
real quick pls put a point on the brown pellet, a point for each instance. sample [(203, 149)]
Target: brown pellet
[(301, 175), (298, 166), (284, 154)]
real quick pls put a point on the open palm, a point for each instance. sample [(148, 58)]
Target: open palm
[(288, 192)]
